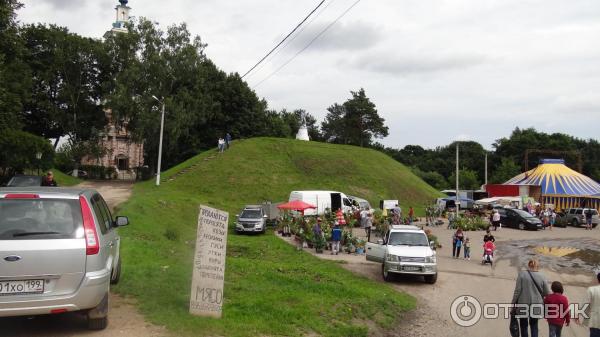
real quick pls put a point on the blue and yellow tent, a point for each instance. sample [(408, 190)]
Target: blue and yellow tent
[(561, 185)]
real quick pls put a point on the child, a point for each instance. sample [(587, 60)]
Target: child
[(336, 237), (556, 304), (488, 251), (467, 249)]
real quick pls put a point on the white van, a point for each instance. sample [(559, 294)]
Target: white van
[(323, 200)]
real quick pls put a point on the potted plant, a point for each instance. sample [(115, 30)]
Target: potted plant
[(360, 246), (319, 244)]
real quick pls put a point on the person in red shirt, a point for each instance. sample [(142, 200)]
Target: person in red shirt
[(557, 310)]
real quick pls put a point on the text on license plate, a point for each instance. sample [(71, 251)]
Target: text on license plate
[(21, 287), (411, 268)]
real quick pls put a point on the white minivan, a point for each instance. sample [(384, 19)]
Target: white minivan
[(323, 200)]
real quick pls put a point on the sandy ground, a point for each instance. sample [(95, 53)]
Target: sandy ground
[(124, 319), (458, 277)]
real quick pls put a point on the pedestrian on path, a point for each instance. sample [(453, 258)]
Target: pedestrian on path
[(411, 215), (460, 236), (467, 249), (530, 290), (488, 236), (48, 180), (336, 238), (592, 312), (496, 219), (221, 144), (557, 310), (369, 225), (588, 219), (227, 140), (552, 219)]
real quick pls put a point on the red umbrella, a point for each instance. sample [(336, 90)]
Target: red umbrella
[(296, 205)]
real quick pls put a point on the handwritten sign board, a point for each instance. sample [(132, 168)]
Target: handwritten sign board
[(209, 263)]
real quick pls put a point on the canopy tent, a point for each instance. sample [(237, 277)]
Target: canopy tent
[(561, 186), (296, 205)]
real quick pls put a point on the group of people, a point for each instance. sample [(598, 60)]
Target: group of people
[(223, 143), (461, 241), (531, 294)]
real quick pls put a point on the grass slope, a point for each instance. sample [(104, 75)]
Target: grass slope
[(270, 288), (65, 180)]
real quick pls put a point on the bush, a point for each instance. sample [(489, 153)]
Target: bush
[(18, 151), (471, 223), (99, 172)]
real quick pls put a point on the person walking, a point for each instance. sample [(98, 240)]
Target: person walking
[(227, 140), (369, 225), (592, 311), (336, 238), (530, 290), (496, 219), (552, 219), (411, 214), (557, 310), (221, 143), (467, 249), (460, 236), (588, 219)]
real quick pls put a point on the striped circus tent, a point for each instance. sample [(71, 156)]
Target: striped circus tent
[(561, 186)]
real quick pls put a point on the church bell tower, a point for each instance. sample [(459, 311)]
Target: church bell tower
[(122, 17)]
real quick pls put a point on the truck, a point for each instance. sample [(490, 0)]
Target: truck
[(323, 200)]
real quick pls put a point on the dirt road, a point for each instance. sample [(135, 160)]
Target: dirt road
[(458, 277), (124, 319)]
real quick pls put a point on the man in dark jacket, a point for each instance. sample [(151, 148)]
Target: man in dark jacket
[(49, 180)]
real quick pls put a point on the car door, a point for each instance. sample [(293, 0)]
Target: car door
[(376, 250), (107, 235)]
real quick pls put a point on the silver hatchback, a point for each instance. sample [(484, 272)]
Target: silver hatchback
[(59, 252)]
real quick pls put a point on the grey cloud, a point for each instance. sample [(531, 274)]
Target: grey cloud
[(405, 65), (582, 104), (71, 4), (341, 36)]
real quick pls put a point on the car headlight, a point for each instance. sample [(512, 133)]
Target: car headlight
[(392, 258), (258, 225), (431, 259)]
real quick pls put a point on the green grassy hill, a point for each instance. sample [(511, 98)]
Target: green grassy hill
[(270, 288)]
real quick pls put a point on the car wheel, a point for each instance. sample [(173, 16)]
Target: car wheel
[(575, 223), (116, 275), (97, 318), (431, 279), (521, 226), (387, 276)]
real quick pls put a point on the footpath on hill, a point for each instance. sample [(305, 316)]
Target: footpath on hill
[(124, 319)]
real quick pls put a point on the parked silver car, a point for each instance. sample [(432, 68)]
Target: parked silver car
[(576, 217), (59, 252), (252, 220)]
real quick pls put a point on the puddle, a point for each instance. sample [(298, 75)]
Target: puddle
[(575, 256)]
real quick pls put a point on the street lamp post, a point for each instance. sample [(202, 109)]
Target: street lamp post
[(162, 123), (38, 156), (457, 197)]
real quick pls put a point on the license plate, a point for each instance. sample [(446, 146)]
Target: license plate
[(411, 268), (21, 287)]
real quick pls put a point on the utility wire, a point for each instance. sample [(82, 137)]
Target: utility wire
[(308, 45), (285, 38), (288, 42)]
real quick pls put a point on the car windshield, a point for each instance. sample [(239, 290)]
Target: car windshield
[(250, 213), (31, 219), (408, 239), (523, 213), (25, 181)]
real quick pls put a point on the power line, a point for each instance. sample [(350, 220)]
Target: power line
[(309, 44), (285, 38), (288, 42)]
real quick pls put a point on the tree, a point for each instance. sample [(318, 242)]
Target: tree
[(68, 72), (505, 171), (468, 180), (18, 151), (362, 121), (14, 76), (333, 126)]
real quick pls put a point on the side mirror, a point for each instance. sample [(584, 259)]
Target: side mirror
[(121, 221), (432, 245), (265, 216), (380, 241)]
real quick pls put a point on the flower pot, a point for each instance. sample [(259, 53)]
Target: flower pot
[(360, 250)]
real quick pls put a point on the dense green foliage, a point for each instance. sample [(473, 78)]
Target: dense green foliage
[(355, 122), (270, 287), (437, 166), (18, 151)]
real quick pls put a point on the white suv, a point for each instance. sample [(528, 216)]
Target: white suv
[(404, 250)]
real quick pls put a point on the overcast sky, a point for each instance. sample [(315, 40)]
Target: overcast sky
[(438, 70)]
